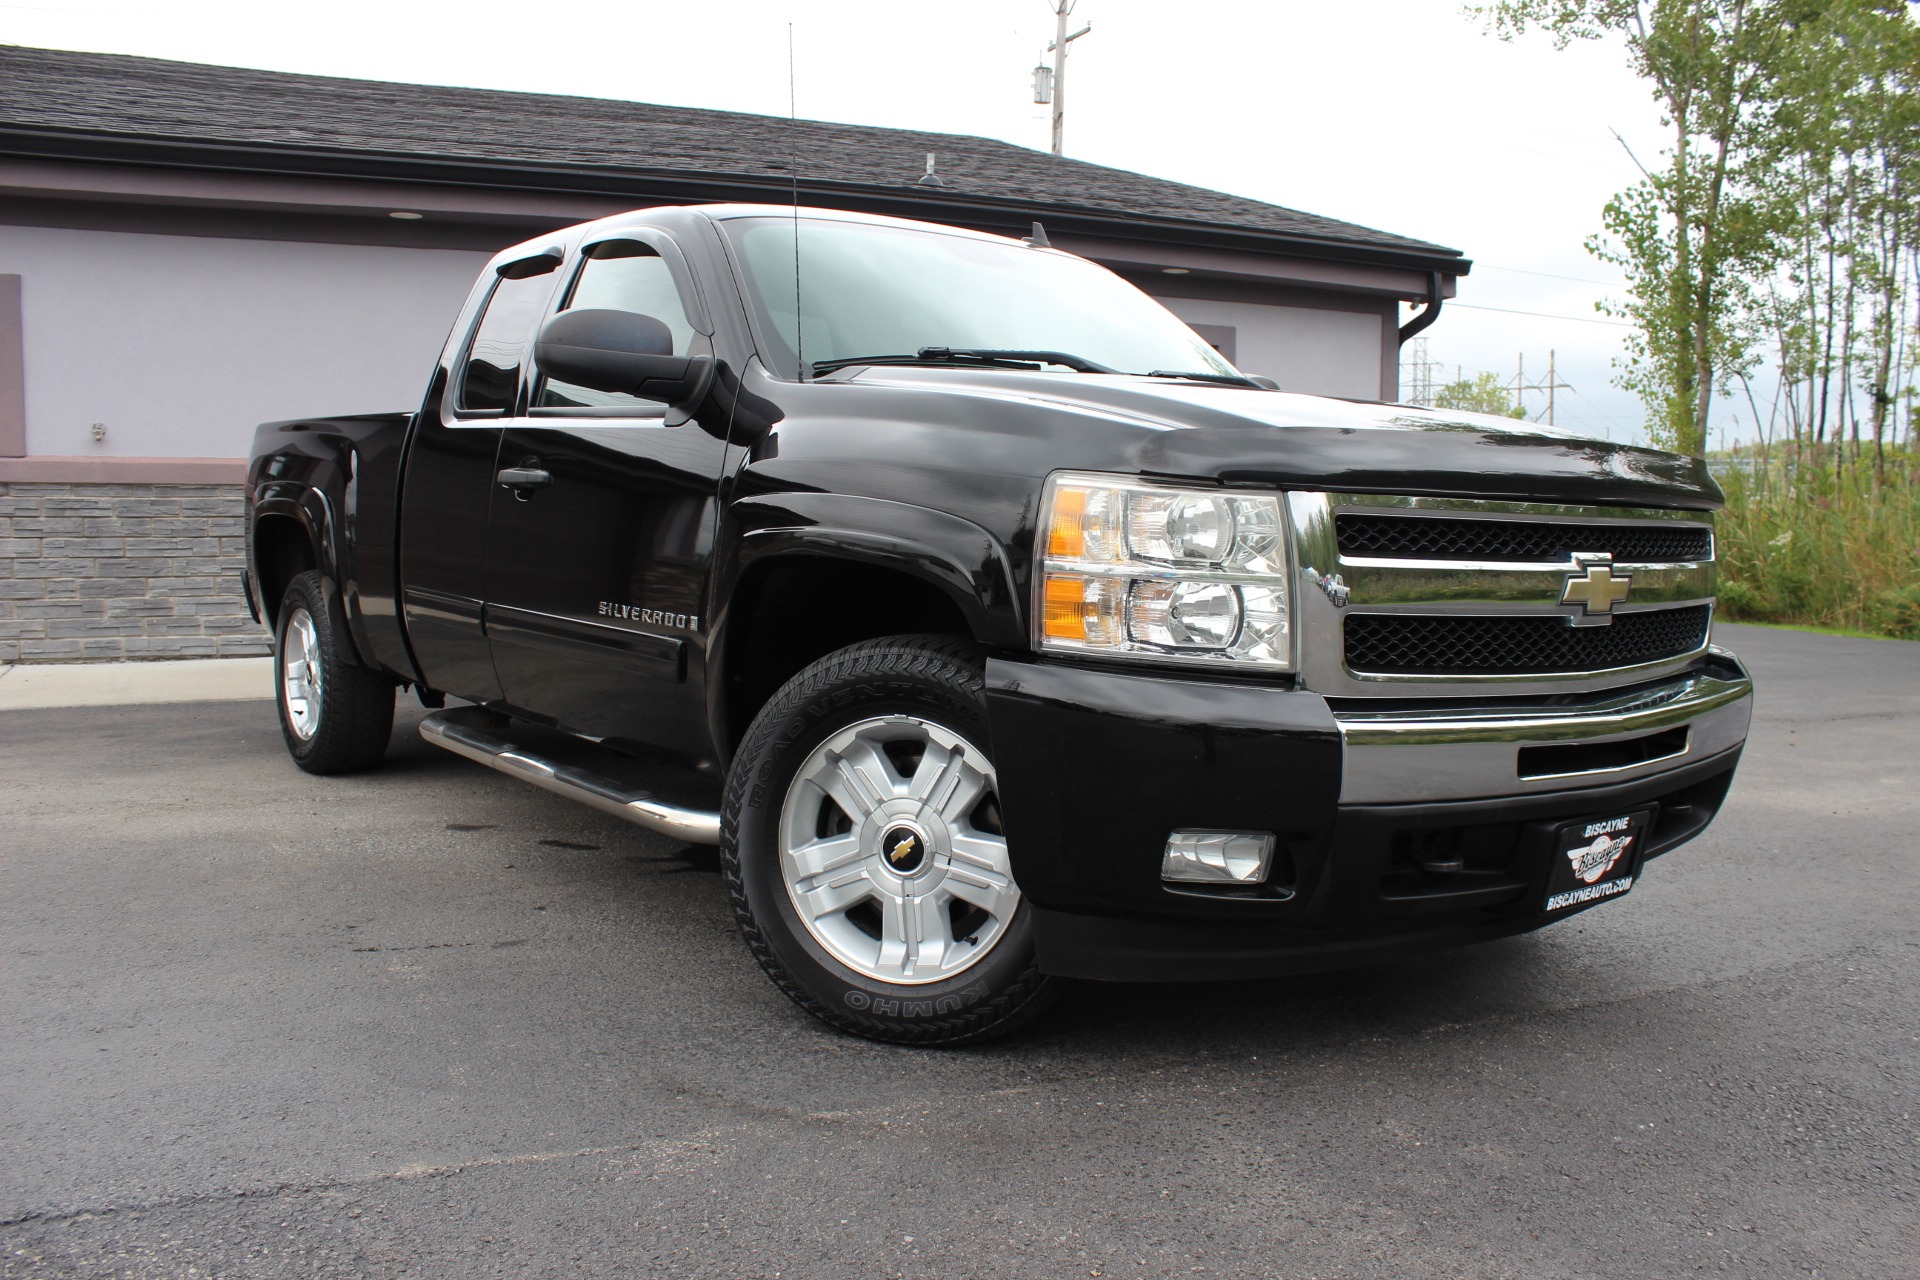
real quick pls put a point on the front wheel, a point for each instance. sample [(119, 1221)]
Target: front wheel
[(863, 847), (335, 715)]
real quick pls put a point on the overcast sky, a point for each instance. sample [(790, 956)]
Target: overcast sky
[(1398, 114)]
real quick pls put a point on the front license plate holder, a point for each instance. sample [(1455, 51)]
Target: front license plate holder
[(1595, 859)]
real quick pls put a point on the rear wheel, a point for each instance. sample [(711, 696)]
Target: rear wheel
[(335, 715), (862, 842)]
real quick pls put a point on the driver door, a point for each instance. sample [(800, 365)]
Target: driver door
[(597, 571)]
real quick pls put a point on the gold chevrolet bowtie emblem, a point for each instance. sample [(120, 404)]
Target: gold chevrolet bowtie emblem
[(1597, 588), (902, 851)]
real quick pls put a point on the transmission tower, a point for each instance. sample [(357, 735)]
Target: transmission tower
[(1417, 374)]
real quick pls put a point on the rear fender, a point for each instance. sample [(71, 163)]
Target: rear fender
[(314, 512)]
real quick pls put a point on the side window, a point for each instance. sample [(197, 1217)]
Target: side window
[(492, 372), (621, 275)]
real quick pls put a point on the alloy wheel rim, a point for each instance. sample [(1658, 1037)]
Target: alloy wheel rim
[(893, 853), (300, 678)]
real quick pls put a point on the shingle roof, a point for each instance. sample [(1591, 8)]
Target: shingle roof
[(112, 95)]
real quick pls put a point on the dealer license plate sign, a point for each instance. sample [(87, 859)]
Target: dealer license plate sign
[(1595, 859)]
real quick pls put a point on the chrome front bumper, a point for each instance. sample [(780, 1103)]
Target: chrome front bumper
[(1519, 747)]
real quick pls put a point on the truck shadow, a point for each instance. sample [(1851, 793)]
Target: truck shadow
[(1434, 994), (704, 859), (611, 861)]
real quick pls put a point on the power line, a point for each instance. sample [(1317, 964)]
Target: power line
[(1584, 165), (1630, 429), (1544, 315), (1522, 271)]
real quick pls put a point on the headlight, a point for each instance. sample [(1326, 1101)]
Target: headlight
[(1171, 575)]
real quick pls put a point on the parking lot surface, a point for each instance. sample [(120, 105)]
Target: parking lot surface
[(433, 1022)]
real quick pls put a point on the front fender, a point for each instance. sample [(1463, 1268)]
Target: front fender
[(965, 562)]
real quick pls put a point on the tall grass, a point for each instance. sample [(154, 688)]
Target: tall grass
[(1823, 543)]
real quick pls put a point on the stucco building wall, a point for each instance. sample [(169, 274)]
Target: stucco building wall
[(1320, 352), (179, 345)]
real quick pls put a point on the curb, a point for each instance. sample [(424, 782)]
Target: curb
[(29, 686)]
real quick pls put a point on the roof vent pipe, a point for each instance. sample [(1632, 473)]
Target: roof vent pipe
[(930, 178)]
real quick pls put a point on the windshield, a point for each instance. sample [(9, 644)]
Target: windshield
[(870, 290)]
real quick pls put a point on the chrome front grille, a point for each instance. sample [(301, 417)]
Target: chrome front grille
[(1474, 597), (1369, 536), (1404, 644)]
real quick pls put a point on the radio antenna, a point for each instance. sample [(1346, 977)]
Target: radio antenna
[(793, 171)]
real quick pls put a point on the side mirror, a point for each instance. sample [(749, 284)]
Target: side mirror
[(618, 351)]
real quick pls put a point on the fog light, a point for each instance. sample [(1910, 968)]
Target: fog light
[(1217, 857)]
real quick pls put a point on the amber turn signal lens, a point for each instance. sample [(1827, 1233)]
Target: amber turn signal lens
[(1081, 609), (1067, 539), (1066, 607)]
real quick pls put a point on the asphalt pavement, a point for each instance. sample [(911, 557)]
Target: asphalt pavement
[(433, 1022)]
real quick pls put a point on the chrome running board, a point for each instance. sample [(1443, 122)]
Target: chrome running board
[(592, 776)]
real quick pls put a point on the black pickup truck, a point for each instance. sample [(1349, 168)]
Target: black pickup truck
[(995, 628)]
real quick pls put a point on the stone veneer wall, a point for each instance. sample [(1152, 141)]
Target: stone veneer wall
[(93, 572)]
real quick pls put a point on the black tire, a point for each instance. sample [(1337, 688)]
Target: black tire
[(346, 727), (931, 680)]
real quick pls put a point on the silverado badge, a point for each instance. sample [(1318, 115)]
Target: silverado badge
[(650, 617), (1596, 588)]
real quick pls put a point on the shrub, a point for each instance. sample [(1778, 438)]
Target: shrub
[(1823, 545)]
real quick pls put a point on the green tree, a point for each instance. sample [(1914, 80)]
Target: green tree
[(1786, 206), (1690, 238), (1481, 393), (1840, 166)]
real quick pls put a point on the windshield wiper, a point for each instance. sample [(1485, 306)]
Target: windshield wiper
[(982, 357), (1224, 379), (1079, 364)]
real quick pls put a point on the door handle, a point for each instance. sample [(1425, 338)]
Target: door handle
[(522, 478)]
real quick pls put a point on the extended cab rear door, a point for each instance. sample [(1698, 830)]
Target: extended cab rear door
[(598, 568), (449, 482)]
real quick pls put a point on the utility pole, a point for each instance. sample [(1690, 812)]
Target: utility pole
[(1550, 386), (1054, 86)]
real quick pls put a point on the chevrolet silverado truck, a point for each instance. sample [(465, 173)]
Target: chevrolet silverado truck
[(996, 629)]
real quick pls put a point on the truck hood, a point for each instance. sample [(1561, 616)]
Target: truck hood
[(1186, 430)]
